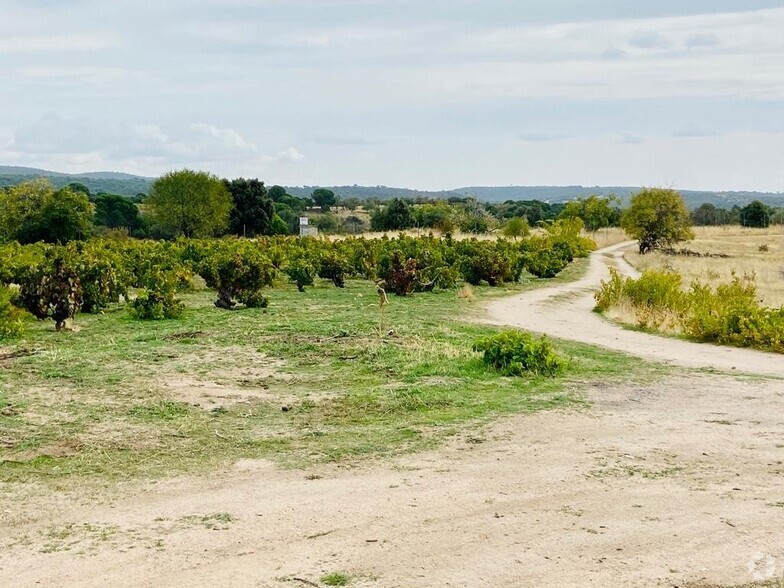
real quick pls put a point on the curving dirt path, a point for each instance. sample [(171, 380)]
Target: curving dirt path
[(566, 311)]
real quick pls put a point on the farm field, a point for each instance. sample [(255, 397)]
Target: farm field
[(749, 251), (321, 442)]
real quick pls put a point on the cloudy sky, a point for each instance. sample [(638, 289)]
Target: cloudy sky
[(427, 94)]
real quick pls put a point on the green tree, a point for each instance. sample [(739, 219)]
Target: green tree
[(595, 211), (280, 226), (277, 193), (755, 214), (67, 216), (395, 216), (657, 217), (253, 209), (324, 198), (18, 203), (189, 203), (33, 211), (79, 187), (706, 214), (115, 211), (517, 227)]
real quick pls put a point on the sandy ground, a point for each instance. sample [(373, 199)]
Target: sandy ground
[(657, 485)]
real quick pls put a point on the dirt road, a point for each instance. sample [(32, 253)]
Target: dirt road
[(657, 485), (565, 311)]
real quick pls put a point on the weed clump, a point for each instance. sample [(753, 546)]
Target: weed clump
[(336, 579), (515, 353), (730, 314)]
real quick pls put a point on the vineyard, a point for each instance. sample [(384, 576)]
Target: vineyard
[(59, 281)]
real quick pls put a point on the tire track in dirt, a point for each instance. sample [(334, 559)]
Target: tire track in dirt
[(566, 311)]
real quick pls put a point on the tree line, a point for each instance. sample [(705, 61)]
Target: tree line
[(198, 204)]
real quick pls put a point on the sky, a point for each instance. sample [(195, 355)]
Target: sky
[(427, 94)]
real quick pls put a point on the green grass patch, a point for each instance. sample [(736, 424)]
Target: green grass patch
[(319, 376), (336, 579)]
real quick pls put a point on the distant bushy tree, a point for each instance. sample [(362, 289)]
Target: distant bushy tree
[(395, 216), (33, 211), (657, 217), (596, 212), (252, 211), (755, 214), (517, 227), (324, 198), (706, 214), (189, 203), (115, 211)]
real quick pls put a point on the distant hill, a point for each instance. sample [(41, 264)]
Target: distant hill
[(111, 182), (693, 198), (551, 194), (362, 192), (131, 185)]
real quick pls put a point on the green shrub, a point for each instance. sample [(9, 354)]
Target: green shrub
[(301, 272), (729, 314), (399, 276), (238, 274), (494, 263), (333, 267), (11, 317), (515, 353), (51, 289), (157, 301), (546, 262), (610, 293)]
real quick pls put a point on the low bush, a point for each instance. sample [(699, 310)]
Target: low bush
[(515, 353), (301, 272), (399, 275), (51, 289), (11, 317), (158, 300), (239, 274), (729, 314)]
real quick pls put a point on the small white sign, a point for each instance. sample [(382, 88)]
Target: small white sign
[(303, 221)]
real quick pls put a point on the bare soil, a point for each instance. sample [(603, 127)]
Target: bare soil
[(653, 485)]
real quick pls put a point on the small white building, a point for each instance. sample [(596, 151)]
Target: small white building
[(306, 229)]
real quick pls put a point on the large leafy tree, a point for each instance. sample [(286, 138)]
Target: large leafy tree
[(252, 211), (657, 217), (18, 203), (189, 203), (115, 211), (595, 211), (66, 216), (324, 198), (394, 217), (755, 214), (33, 211)]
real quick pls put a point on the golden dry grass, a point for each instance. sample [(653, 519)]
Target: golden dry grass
[(607, 237), (745, 257)]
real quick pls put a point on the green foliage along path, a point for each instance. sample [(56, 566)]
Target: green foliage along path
[(566, 311)]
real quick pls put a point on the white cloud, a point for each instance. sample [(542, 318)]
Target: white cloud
[(228, 137), (54, 43), (287, 155)]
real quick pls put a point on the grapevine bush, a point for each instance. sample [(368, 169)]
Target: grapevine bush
[(11, 317), (93, 275)]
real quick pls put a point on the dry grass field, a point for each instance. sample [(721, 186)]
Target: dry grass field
[(757, 252)]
